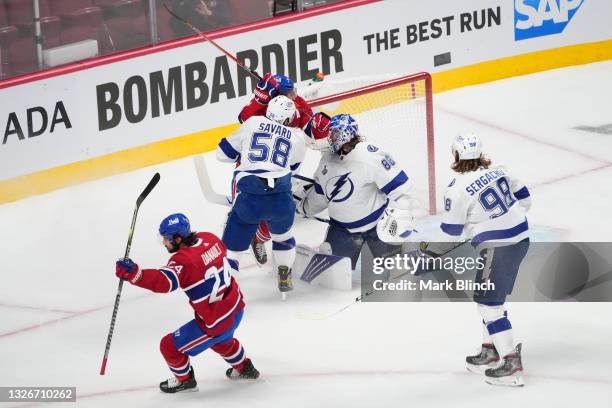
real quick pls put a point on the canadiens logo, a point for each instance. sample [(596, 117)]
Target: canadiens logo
[(339, 188)]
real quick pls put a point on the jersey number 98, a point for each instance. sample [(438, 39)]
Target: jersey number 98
[(497, 198)]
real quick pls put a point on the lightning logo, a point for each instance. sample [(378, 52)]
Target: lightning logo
[(338, 192)]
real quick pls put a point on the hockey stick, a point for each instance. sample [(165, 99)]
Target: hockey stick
[(360, 298), (206, 186), (139, 201), (201, 34)]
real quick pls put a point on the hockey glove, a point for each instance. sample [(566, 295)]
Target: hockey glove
[(266, 89), (128, 270), (317, 130)]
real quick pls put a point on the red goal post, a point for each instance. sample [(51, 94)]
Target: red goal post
[(396, 114)]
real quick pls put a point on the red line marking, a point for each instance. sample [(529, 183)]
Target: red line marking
[(168, 45), (74, 314), (573, 175), (71, 316), (524, 136), (415, 372), (37, 308)]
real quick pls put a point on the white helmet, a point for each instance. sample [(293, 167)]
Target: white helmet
[(280, 109), (467, 145)]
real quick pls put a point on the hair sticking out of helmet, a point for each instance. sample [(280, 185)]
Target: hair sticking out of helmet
[(467, 146), (175, 225), (467, 154), (342, 129), (281, 110)]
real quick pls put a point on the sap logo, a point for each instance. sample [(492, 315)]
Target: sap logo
[(537, 18)]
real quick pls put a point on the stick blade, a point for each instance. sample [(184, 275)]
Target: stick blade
[(148, 188)]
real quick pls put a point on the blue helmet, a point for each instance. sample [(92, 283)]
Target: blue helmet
[(175, 224), (342, 129), (285, 84)]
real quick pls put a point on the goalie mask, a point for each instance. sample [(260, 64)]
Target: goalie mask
[(342, 129), (281, 110), (468, 146)]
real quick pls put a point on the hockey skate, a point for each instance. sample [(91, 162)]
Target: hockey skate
[(510, 373), (259, 251), (249, 372), (172, 385), (485, 359), (285, 284)]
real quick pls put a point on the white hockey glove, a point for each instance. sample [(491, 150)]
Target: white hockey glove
[(395, 225), (299, 189)]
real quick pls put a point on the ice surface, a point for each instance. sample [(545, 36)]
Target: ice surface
[(58, 281)]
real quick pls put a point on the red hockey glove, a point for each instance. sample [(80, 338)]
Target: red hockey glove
[(128, 270), (266, 89)]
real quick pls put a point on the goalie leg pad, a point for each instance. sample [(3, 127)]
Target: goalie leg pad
[(343, 243)]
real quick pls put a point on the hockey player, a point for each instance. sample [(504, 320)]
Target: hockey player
[(268, 150), (314, 124), (365, 192), (487, 205), (199, 266)]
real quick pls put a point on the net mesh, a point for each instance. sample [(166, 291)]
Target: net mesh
[(394, 115)]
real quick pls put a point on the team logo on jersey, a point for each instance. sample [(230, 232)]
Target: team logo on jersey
[(372, 148), (339, 188), (538, 18)]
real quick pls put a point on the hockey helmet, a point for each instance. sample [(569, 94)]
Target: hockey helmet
[(285, 84), (280, 109), (342, 129), (468, 146), (175, 225)]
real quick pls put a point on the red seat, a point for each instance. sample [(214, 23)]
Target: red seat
[(81, 20), (8, 34)]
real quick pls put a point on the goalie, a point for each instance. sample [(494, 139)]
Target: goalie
[(365, 192)]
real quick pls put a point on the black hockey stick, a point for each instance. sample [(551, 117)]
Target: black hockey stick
[(201, 34), (139, 201)]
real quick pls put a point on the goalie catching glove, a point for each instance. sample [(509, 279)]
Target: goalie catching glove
[(396, 223)]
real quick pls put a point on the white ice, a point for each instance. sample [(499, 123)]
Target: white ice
[(58, 283)]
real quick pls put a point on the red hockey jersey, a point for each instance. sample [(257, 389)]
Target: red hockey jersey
[(205, 275), (303, 114)]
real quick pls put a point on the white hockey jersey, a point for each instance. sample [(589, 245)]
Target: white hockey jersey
[(263, 148), (487, 206), (355, 188)]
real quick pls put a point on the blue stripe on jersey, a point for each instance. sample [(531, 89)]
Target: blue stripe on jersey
[(360, 223), (284, 245), (499, 326), (318, 188), (233, 264), (397, 181), (228, 149), (204, 288), (295, 166), (452, 229), (172, 277), (522, 193), (500, 234)]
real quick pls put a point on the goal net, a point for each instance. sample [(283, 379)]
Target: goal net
[(396, 115)]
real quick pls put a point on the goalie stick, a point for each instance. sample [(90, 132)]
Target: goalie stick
[(111, 329)]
